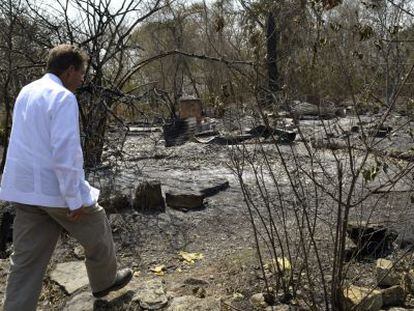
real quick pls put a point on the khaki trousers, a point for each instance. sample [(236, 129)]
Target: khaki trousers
[(35, 233)]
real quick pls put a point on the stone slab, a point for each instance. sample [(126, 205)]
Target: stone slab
[(186, 303), (151, 295), (184, 199), (70, 275)]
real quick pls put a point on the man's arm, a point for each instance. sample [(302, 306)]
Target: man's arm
[(66, 150)]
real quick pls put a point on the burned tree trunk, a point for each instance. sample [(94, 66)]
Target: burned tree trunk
[(271, 42), (95, 105), (94, 142), (6, 124)]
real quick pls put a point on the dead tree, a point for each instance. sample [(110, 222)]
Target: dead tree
[(104, 30), (16, 57), (271, 43)]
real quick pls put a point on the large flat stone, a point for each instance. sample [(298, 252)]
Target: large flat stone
[(186, 303), (84, 301), (393, 296), (184, 199), (71, 276), (212, 187), (361, 299), (151, 295), (386, 274), (193, 195)]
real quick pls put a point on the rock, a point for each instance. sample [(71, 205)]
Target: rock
[(258, 301), (79, 252), (84, 301), (186, 303), (393, 296), (70, 275), (151, 295), (184, 200), (386, 274), (148, 197), (361, 299), (213, 187), (409, 281), (81, 302), (194, 196), (280, 265)]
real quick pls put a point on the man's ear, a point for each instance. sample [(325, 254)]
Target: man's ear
[(71, 69), (67, 72)]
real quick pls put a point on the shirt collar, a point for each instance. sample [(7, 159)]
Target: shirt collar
[(53, 77)]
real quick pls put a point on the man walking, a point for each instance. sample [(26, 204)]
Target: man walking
[(45, 179)]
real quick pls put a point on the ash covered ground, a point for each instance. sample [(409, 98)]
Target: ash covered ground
[(221, 229)]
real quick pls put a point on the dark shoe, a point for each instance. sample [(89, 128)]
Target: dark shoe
[(122, 278)]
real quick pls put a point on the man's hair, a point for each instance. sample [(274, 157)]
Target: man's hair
[(61, 57)]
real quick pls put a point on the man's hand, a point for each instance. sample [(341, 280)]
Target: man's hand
[(74, 215)]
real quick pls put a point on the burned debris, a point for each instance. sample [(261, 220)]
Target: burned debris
[(191, 125), (7, 215), (372, 240)]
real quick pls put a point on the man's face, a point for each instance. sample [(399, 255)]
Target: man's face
[(73, 78)]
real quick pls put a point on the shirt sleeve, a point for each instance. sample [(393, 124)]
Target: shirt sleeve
[(66, 150)]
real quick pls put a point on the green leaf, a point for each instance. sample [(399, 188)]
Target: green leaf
[(371, 173)]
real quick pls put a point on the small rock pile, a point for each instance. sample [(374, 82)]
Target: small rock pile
[(392, 289), (282, 267), (145, 294)]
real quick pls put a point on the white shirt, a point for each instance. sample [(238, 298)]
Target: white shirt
[(44, 164)]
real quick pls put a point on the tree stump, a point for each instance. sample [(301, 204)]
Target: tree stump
[(148, 197), (178, 132)]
